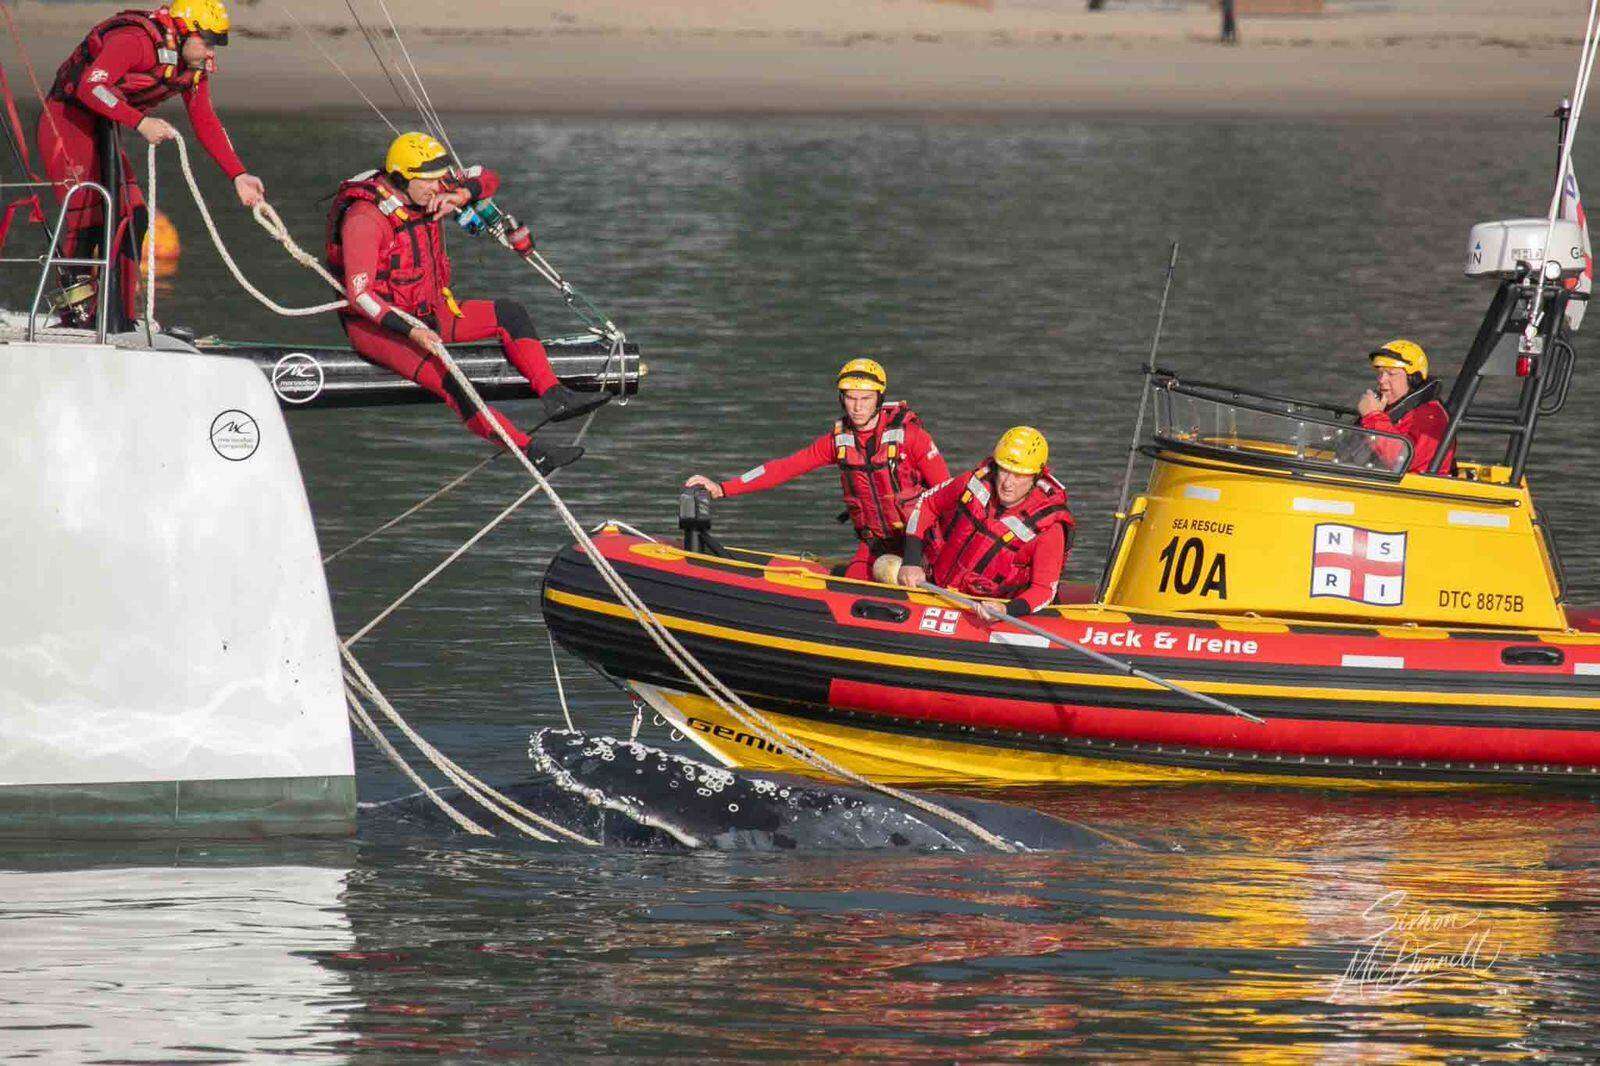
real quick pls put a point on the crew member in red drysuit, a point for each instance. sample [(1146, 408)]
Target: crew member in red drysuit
[(1003, 531), (127, 65), (886, 459), (1406, 402), (385, 240)]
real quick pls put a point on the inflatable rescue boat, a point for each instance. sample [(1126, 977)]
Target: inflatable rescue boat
[(1385, 626)]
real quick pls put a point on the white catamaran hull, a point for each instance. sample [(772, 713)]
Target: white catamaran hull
[(168, 659)]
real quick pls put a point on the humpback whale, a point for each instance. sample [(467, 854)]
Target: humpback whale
[(631, 795)]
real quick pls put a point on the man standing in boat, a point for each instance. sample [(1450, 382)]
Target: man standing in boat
[(1002, 532), (886, 459), (1406, 403), (127, 65), (385, 240)]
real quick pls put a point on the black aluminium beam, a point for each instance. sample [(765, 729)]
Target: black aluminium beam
[(323, 376)]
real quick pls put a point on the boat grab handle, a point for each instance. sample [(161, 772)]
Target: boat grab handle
[(879, 611), (1532, 656)]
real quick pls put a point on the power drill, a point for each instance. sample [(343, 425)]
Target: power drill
[(485, 216)]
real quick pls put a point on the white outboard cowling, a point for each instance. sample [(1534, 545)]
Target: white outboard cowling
[(1495, 248)]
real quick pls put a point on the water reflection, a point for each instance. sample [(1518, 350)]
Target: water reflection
[(1229, 931), (197, 962)]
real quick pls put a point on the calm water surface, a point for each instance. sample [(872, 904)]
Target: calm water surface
[(1004, 273)]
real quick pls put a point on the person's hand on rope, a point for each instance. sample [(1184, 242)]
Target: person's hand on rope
[(425, 338), (913, 577), (442, 203), (250, 189), (700, 481), (156, 130)]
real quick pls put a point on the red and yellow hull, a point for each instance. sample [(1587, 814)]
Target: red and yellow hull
[(900, 686)]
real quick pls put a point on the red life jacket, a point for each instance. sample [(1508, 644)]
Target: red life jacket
[(415, 276), (982, 548), (142, 90), (878, 491)]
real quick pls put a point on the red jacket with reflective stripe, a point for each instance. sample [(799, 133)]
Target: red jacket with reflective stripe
[(130, 63), (389, 252), (1016, 554), (880, 502)]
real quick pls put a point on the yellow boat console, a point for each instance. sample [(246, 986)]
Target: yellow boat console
[(1281, 513)]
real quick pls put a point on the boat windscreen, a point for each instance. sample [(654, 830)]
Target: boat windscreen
[(1195, 420)]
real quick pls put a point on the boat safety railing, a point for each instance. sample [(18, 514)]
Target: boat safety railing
[(1229, 423), (49, 261)]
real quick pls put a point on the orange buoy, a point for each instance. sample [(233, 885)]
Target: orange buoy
[(165, 236)]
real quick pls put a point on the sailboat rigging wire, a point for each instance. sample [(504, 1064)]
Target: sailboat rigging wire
[(373, 45), (426, 100), (1580, 90), (342, 73)]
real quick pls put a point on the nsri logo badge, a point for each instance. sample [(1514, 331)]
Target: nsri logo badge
[(1359, 564)]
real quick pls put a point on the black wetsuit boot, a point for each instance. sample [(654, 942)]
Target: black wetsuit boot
[(561, 403)]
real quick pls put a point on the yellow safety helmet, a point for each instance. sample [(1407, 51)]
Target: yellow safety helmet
[(416, 155), (1401, 354), (1022, 450), (208, 18), (863, 374)]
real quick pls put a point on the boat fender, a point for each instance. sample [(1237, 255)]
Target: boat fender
[(886, 569)]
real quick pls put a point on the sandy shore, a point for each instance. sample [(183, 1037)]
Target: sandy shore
[(776, 56)]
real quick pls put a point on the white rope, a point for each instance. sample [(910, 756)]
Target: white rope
[(617, 523), (413, 509), (680, 657), (270, 221), (439, 569), (150, 257), (462, 550), (561, 690), (369, 728), (490, 798), (696, 672)]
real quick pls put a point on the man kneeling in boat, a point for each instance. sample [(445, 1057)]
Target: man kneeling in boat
[(385, 239), (886, 459), (1406, 403), (1001, 532)]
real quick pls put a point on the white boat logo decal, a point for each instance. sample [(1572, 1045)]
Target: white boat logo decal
[(235, 436), (297, 378)]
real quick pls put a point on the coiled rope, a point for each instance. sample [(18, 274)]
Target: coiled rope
[(679, 656)]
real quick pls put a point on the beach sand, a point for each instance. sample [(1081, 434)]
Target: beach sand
[(1361, 57)]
